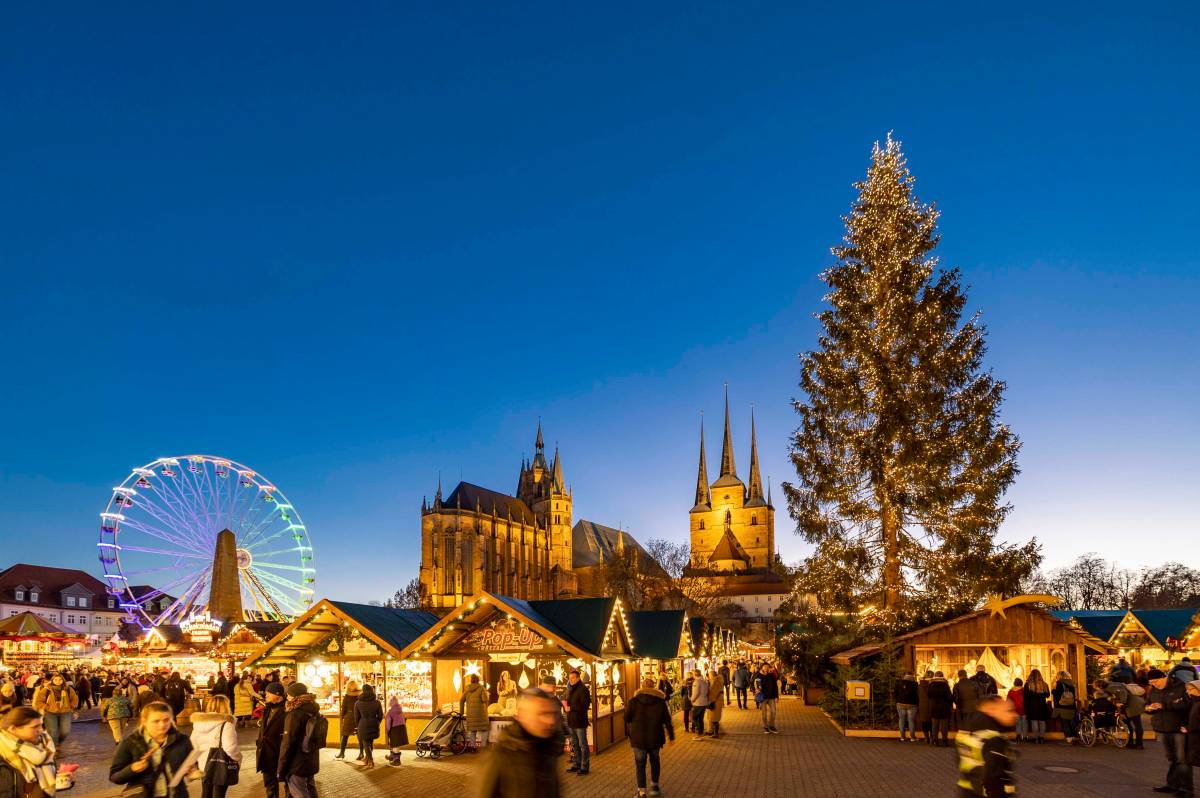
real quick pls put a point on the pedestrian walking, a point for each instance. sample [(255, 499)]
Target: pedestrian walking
[(368, 717), (474, 707), (57, 701), (1167, 706), (700, 701), (1130, 700), (579, 705), (175, 692), (664, 684), (26, 756), (984, 755), (648, 726), (116, 711), (741, 684), (717, 690), (347, 724), (1016, 694), (83, 688), (300, 747), (767, 698), (1034, 700), (270, 737), (924, 719), (941, 707), (214, 730), (724, 673), (1121, 671), (906, 692), (8, 697), (242, 699), (1066, 704), (523, 762), (686, 704), (153, 754)]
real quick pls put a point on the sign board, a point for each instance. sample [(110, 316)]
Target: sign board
[(503, 635), (858, 691), (360, 647)]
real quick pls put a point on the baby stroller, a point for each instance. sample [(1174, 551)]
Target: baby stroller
[(444, 732)]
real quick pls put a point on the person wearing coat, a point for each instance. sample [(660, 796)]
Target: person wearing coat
[(296, 766), (924, 719), (395, 726), (152, 754), (648, 725), (368, 716), (8, 698), (941, 707), (26, 756), (523, 761), (243, 698), (685, 692), (57, 701), (701, 699), (1193, 724), (1035, 697), (741, 684), (347, 719), (906, 694), (1167, 706), (474, 707), (716, 689), (270, 734), (579, 707), (1066, 703), (116, 710), (213, 729), (966, 698)]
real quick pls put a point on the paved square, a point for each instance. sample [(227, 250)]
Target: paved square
[(808, 759)]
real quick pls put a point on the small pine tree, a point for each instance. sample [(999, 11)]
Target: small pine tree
[(901, 461)]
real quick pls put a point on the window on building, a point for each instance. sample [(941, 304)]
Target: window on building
[(754, 520), (71, 619), (112, 603), (70, 601), (82, 601), (33, 596), (83, 619), (20, 595)]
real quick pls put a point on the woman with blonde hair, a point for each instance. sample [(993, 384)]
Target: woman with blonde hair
[(1034, 696), (153, 754), (215, 729), (26, 755), (349, 724)]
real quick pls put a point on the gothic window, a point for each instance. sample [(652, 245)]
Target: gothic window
[(468, 566), (754, 520), (702, 523)]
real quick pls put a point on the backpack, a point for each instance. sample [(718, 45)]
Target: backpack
[(1067, 699), (316, 734), (174, 693)]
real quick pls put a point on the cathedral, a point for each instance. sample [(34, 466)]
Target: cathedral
[(523, 545)]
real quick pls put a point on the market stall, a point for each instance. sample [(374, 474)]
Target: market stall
[(664, 641), (1157, 638), (29, 639), (335, 642), (512, 644)]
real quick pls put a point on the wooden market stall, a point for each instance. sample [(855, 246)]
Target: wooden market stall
[(664, 641), (1157, 638), (1009, 641), (335, 642), (29, 639), (512, 643)]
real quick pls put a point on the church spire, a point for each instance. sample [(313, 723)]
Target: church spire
[(702, 495), (556, 470), (727, 467), (539, 444), (756, 486)]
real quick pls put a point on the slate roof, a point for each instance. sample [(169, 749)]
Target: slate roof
[(593, 544), (49, 582), (728, 548), (656, 633), (395, 627), (1166, 623), (468, 495)]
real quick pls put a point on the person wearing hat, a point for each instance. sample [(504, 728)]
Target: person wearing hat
[(1167, 706), (270, 736), (298, 762)]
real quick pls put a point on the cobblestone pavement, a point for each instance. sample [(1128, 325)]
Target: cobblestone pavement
[(809, 759)]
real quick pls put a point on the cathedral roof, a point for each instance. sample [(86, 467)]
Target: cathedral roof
[(593, 544), (466, 495), (728, 548)]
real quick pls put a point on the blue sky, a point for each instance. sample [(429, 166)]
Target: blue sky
[(355, 247)]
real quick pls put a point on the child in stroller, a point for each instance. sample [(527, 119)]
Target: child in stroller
[(444, 732), (1104, 711)]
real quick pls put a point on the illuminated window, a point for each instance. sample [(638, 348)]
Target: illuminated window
[(71, 619), (20, 596), (82, 601), (83, 619), (33, 596), (70, 601)]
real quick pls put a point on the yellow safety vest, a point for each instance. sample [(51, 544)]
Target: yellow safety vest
[(970, 760)]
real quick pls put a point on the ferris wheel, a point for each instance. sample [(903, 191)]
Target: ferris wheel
[(178, 525)]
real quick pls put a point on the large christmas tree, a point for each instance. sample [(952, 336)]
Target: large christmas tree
[(901, 461)]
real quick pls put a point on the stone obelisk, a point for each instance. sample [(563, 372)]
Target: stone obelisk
[(225, 597)]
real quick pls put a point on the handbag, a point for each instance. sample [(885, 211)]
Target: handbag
[(222, 770)]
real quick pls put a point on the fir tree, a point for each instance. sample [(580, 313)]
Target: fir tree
[(901, 461)]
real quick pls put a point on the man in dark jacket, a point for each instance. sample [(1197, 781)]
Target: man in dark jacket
[(984, 762), (579, 706), (270, 737), (1167, 706), (725, 673), (298, 766), (647, 717), (523, 762), (987, 685), (741, 683), (767, 697), (966, 697), (906, 691), (941, 705)]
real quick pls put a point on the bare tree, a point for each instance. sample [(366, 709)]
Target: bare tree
[(407, 599), (695, 593), (1169, 585)]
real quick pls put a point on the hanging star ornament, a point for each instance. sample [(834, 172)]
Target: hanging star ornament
[(998, 604)]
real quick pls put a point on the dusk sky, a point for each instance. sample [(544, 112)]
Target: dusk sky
[(356, 246)]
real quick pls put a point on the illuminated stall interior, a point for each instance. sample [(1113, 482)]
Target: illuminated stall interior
[(1009, 643), (29, 639), (1157, 637), (335, 642), (664, 641), (512, 644)]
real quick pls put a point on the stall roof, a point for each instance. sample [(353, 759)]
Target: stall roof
[(587, 620), (392, 629), (868, 649), (1098, 623), (28, 624), (1161, 624), (661, 633)]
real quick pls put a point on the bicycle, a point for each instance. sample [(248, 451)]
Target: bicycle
[(1118, 734)]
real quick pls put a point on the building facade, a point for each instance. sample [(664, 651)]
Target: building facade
[(524, 545), (70, 598)]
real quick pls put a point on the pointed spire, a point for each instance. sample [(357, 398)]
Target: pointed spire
[(756, 486), (727, 467), (769, 503), (703, 499), (556, 469), (539, 443)]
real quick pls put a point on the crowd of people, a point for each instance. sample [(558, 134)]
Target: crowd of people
[(984, 718)]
